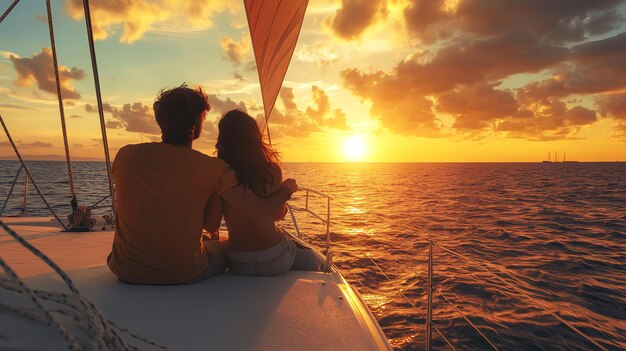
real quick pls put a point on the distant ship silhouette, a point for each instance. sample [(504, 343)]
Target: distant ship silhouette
[(556, 160)]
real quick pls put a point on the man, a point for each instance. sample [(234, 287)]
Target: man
[(162, 191)]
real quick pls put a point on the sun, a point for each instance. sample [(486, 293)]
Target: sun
[(354, 147)]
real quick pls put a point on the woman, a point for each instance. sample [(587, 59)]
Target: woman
[(255, 247)]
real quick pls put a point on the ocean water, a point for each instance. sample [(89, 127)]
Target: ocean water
[(554, 236)]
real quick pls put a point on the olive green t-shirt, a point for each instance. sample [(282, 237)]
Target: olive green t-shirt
[(162, 191)]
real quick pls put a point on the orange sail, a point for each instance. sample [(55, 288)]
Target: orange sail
[(274, 29)]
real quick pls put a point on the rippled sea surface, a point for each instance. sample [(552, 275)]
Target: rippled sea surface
[(515, 245)]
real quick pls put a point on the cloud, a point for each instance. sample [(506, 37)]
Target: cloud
[(235, 51), (613, 106), (222, 106), (557, 21), (549, 120), (296, 122), (137, 17), (39, 70), (594, 67), (424, 17), (323, 104), (355, 16), (321, 53), (135, 117), (33, 144), (467, 49), (399, 108), (475, 106), (15, 107)]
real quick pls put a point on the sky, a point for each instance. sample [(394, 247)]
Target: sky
[(369, 81)]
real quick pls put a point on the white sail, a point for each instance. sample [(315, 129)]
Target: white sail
[(274, 30)]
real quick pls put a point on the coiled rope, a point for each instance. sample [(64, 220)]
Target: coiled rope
[(104, 334)]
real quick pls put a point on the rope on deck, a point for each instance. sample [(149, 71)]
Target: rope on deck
[(104, 334)]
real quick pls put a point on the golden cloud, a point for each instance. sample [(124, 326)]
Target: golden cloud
[(39, 70), (137, 17)]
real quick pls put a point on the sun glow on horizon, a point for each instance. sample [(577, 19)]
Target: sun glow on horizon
[(354, 148)]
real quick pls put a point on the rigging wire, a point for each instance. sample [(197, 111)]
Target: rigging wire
[(467, 320), (6, 13), (68, 160), (96, 79), (488, 268), (413, 304), (19, 170), (30, 176)]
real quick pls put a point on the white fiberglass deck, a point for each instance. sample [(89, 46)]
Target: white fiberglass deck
[(300, 310)]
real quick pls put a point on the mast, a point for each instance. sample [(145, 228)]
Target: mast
[(549, 159)]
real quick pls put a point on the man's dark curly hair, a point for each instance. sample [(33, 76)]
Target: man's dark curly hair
[(180, 112)]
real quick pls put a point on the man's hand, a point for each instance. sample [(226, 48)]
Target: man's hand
[(251, 206), (289, 185)]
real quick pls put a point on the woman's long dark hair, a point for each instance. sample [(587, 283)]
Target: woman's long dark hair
[(241, 145)]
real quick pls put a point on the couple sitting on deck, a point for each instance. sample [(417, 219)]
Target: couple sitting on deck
[(167, 193)]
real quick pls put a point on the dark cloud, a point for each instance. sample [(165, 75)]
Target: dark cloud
[(557, 21), (550, 120), (424, 17), (76, 116), (476, 106), (477, 44), (114, 125), (355, 16), (594, 67), (39, 70), (135, 117), (613, 106)]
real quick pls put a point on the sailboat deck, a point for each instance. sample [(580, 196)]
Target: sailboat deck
[(299, 310)]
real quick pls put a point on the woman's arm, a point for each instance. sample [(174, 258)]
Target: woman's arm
[(213, 213), (282, 211)]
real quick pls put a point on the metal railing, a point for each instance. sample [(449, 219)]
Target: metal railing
[(501, 275), (308, 192), (24, 208)]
